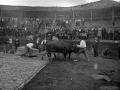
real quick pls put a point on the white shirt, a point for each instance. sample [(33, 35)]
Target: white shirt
[(30, 45), (82, 44), (10, 40), (44, 42), (38, 40)]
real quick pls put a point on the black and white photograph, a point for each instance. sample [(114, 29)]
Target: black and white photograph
[(59, 44)]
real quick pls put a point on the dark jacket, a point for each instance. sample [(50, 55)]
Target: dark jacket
[(95, 44), (17, 42), (6, 40)]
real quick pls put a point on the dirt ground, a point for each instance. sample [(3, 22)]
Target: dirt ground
[(76, 75)]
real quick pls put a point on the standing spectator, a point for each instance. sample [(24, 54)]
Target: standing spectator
[(92, 49), (83, 22), (95, 31), (17, 43), (103, 33), (6, 42), (99, 34), (38, 38), (10, 43), (95, 47), (92, 33), (82, 49)]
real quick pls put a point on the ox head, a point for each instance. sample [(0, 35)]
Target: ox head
[(75, 49)]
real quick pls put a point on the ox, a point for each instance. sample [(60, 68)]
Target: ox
[(59, 47)]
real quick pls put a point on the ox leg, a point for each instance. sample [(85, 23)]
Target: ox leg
[(43, 54), (54, 55), (49, 55), (65, 56), (39, 50), (69, 55)]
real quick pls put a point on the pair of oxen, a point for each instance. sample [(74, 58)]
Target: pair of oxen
[(53, 46)]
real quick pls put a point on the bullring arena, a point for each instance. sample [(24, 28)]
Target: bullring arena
[(99, 19)]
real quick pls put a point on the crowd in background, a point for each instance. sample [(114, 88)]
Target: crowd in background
[(87, 33), (25, 27)]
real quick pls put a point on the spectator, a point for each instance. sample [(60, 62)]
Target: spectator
[(92, 49), (10, 43), (17, 43), (99, 34), (95, 47), (37, 42), (6, 43)]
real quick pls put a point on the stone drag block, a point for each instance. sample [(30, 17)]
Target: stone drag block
[(22, 51), (33, 52)]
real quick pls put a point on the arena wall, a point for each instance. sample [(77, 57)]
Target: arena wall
[(92, 17)]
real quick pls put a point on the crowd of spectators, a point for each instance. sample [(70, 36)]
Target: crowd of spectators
[(23, 27), (87, 33), (19, 26)]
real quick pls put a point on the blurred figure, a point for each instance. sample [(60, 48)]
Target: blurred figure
[(82, 49), (44, 41), (10, 43), (38, 41), (99, 34), (16, 43), (6, 44), (55, 38), (29, 47), (95, 47), (92, 49)]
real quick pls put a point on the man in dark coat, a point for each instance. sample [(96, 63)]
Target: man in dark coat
[(17, 44), (6, 44), (95, 47)]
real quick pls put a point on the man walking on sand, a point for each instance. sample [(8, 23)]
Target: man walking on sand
[(82, 47)]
